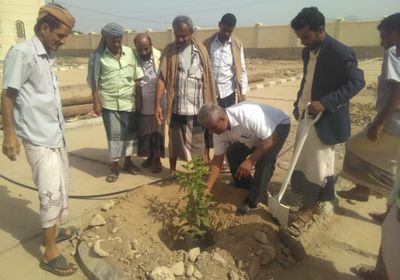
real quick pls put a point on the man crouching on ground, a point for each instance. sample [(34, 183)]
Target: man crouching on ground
[(249, 140)]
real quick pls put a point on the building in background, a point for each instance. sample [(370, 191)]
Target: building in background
[(17, 19)]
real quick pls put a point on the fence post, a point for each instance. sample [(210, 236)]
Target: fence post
[(257, 34), (337, 29)]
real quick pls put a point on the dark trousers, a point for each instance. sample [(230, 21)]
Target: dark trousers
[(224, 103), (237, 152)]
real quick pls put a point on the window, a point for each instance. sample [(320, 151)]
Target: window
[(20, 29)]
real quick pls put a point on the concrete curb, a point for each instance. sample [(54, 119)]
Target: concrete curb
[(95, 268), (274, 83), (294, 78)]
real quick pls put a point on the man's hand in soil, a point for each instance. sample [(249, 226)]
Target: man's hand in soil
[(244, 169)]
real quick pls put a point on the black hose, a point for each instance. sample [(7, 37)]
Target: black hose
[(87, 196)]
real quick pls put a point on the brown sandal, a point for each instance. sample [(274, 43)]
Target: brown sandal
[(299, 225), (147, 162), (132, 168), (113, 176), (156, 166), (367, 272)]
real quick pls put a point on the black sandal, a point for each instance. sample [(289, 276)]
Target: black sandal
[(59, 266), (113, 176)]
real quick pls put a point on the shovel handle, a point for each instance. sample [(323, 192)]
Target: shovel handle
[(308, 122)]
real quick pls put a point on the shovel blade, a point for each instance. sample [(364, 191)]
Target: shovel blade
[(278, 211)]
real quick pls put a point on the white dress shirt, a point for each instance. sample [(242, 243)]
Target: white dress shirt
[(250, 124), (221, 57)]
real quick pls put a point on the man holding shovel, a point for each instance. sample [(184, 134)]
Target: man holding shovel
[(331, 77)]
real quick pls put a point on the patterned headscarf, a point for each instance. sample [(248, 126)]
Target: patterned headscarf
[(62, 14), (110, 29)]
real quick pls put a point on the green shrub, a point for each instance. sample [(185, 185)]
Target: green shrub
[(195, 214)]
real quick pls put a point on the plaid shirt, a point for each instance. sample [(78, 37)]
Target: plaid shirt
[(189, 92)]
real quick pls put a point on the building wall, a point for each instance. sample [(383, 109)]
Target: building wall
[(277, 41), (11, 11)]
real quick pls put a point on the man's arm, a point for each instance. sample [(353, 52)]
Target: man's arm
[(160, 91), (354, 82), (11, 145), (387, 112), (245, 168), (96, 102), (215, 168)]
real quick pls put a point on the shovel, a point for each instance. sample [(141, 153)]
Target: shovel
[(275, 207)]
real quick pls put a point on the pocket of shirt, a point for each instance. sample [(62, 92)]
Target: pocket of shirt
[(195, 72)]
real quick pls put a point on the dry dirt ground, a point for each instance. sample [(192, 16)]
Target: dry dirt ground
[(137, 231)]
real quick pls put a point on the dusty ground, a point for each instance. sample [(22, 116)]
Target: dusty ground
[(136, 233)]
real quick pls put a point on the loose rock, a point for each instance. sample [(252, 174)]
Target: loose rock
[(193, 254), (218, 258), (197, 274), (108, 205), (161, 273), (189, 270), (98, 250), (98, 220), (134, 244), (261, 237), (114, 230), (254, 268), (178, 268), (232, 275), (266, 258)]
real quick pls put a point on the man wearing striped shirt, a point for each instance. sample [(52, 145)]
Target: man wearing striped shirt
[(228, 66)]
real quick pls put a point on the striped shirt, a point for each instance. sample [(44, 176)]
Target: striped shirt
[(221, 57), (189, 93), (148, 84)]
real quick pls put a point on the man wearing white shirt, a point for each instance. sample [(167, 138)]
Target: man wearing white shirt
[(228, 66), (249, 140)]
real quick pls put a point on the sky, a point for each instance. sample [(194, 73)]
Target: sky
[(92, 15)]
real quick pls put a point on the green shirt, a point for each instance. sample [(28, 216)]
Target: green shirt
[(117, 80)]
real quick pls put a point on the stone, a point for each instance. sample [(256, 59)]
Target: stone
[(283, 262), (197, 274), (218, 258), (266, 258), (254, 268), (286, 251), (108, 205), (232, 275), (98, 220), (178, 268), (114, 230), (135, 244), (189, 270), (261, 237), (98, 250), (193, 254), (161, 273)]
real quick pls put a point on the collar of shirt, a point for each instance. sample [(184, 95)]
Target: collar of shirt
[(107, 51), (216, 39), (231, 120), (40, 50)]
